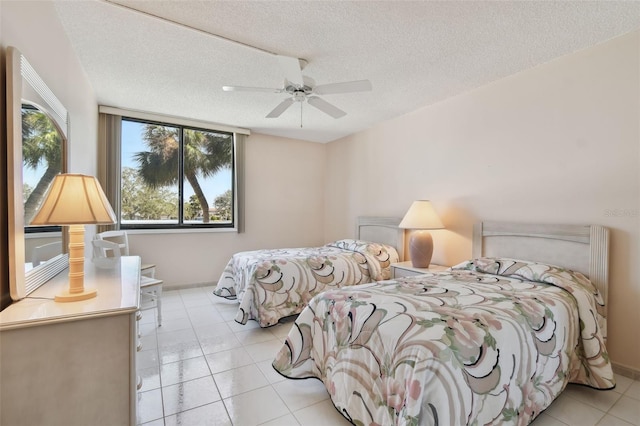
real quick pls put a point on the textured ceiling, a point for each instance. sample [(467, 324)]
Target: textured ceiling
[(414, 53)]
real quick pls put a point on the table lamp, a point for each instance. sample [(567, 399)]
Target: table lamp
[(75, 200), (420, 217)]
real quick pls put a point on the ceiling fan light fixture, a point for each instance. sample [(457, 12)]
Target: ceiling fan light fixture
[(302, 88)]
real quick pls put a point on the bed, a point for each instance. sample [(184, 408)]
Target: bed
[(274, 284), (493, 340)]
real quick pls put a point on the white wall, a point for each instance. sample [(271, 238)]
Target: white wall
[(555, 144), (35, 29), (284, 202)]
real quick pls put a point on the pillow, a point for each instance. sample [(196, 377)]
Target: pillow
[(497, 265), (466, 265), (349, 244), (530, 271), (572, 281), (379, 256), (366, 247)]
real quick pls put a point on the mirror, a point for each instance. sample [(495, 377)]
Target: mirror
[(37, 125)]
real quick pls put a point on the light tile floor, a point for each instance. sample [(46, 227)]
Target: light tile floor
[(202, 368)]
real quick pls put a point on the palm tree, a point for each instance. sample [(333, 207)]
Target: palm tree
[(205, 153), (41, 143)]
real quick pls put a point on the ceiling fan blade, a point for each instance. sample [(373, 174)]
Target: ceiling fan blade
[(326, 107), (291, 69), (282, 107), (250, 89), (346, 87)]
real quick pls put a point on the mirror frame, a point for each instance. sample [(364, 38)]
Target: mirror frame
[(19, 70)]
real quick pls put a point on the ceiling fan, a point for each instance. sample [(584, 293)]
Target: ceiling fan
[(302, 88)]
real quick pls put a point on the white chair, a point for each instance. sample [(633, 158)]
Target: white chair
[(120, 238), (45, 252), (105, 253), (151, 295), (114, 244)]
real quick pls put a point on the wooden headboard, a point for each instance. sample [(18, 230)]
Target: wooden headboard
[(582, 248), (381, 230)]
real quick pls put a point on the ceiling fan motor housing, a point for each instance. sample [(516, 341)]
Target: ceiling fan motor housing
[(299, 93)]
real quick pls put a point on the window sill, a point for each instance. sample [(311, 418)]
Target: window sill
[(182, 231)]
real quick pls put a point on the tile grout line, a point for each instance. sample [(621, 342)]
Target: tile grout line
[(226, 410)]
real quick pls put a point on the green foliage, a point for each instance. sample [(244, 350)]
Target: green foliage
[(26, 191), (142, 202), (41, 141), (223, 205), (192, 208)]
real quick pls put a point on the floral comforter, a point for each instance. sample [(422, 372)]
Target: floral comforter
[(273, 284), (452, 348)]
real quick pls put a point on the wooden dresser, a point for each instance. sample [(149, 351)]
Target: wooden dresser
[(72, 363)]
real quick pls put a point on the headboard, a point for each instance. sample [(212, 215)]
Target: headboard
[(381, 230), (582, 248)]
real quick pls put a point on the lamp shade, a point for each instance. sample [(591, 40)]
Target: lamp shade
[(421, 215), (74, 199)]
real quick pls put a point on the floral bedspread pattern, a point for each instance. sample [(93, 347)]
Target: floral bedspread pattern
[(550, 274), (450, 348), (276, 283)]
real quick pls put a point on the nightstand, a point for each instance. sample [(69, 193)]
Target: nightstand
[(404, 269)]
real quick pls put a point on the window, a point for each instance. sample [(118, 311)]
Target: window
[(169, 173), (175, 176)]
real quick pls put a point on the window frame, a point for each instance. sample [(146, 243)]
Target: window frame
[(106, 148)]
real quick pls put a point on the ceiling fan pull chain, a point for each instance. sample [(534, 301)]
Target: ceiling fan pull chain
[(301, 114)]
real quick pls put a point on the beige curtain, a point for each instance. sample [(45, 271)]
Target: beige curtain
[(109, 131), (239, 207)]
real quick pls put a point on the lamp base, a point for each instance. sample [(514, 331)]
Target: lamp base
[(420, 248), (65, 296), (76, 290)]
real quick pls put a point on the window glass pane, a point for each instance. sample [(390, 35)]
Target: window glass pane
[(208, 177), (150, 169)]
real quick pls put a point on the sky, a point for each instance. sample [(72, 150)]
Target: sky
[(31, 176)]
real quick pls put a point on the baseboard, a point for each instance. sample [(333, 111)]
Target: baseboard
[(186, 286), (626, 371)]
